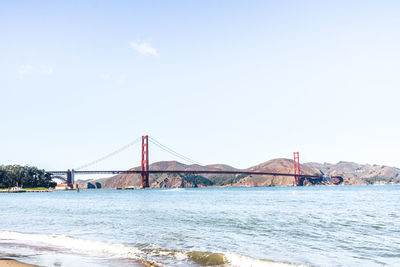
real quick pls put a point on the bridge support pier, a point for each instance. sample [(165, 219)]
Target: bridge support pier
[(70, 178), (145, 161)]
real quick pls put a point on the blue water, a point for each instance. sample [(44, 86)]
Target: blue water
[(262, 226)]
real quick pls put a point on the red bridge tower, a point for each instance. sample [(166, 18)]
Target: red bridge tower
[(297, 179), (145, 161)]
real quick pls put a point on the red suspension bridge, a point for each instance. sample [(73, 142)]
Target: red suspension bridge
[(298, 177)]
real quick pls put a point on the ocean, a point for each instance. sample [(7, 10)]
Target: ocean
[(229, 226)]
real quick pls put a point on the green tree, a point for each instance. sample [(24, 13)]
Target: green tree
[(27, 176)]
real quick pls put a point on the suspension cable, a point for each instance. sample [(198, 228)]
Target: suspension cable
[(110, 154), (173, 152)]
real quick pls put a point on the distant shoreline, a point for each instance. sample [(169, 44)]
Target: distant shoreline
[(230, 186), (26, 190)]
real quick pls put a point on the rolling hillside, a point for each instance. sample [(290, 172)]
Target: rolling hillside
[(353, 174)]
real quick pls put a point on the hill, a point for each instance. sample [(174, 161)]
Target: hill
[(353, 174)]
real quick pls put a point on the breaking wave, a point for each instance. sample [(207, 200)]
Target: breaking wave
[(149, 254)]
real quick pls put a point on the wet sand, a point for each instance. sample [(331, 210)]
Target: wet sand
[(6, 262)]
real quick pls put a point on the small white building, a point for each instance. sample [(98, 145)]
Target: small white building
[(61, 187)]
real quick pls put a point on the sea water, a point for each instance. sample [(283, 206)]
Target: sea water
[(260, 226)]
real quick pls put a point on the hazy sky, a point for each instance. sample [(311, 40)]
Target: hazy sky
[(235, 82)]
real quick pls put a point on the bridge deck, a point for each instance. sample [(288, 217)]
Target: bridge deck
[(193, 172)]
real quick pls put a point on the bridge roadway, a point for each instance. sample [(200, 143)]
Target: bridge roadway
[(193, 172)]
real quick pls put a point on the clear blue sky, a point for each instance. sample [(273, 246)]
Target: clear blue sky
[(235, 82)]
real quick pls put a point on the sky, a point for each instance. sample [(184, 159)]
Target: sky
[(233, 82)]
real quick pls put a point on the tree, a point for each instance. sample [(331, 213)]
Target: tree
[(27, 176)]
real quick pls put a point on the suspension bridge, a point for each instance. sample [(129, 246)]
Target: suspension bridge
[(298, 177)]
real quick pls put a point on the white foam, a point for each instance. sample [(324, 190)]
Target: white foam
[(175, 189), (180, 256), (236, 260), (74, 244)]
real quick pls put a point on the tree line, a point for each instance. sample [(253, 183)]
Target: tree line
[(26, 176)]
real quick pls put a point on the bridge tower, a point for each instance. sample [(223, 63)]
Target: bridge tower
[(69, 177), (72, 176), (145, 161), (297, 179)]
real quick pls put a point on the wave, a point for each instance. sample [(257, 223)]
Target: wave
[(74, 244), (173, 189), (239, 260), (149, 254)]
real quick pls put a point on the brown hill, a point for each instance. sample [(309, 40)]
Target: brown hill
[(165, 180), (280, 165), (352, 173)]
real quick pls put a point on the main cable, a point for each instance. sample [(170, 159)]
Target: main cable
[(173, 152), (110, 154)]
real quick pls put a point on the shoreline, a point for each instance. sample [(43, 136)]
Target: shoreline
[(8, 262), (230, 186)]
